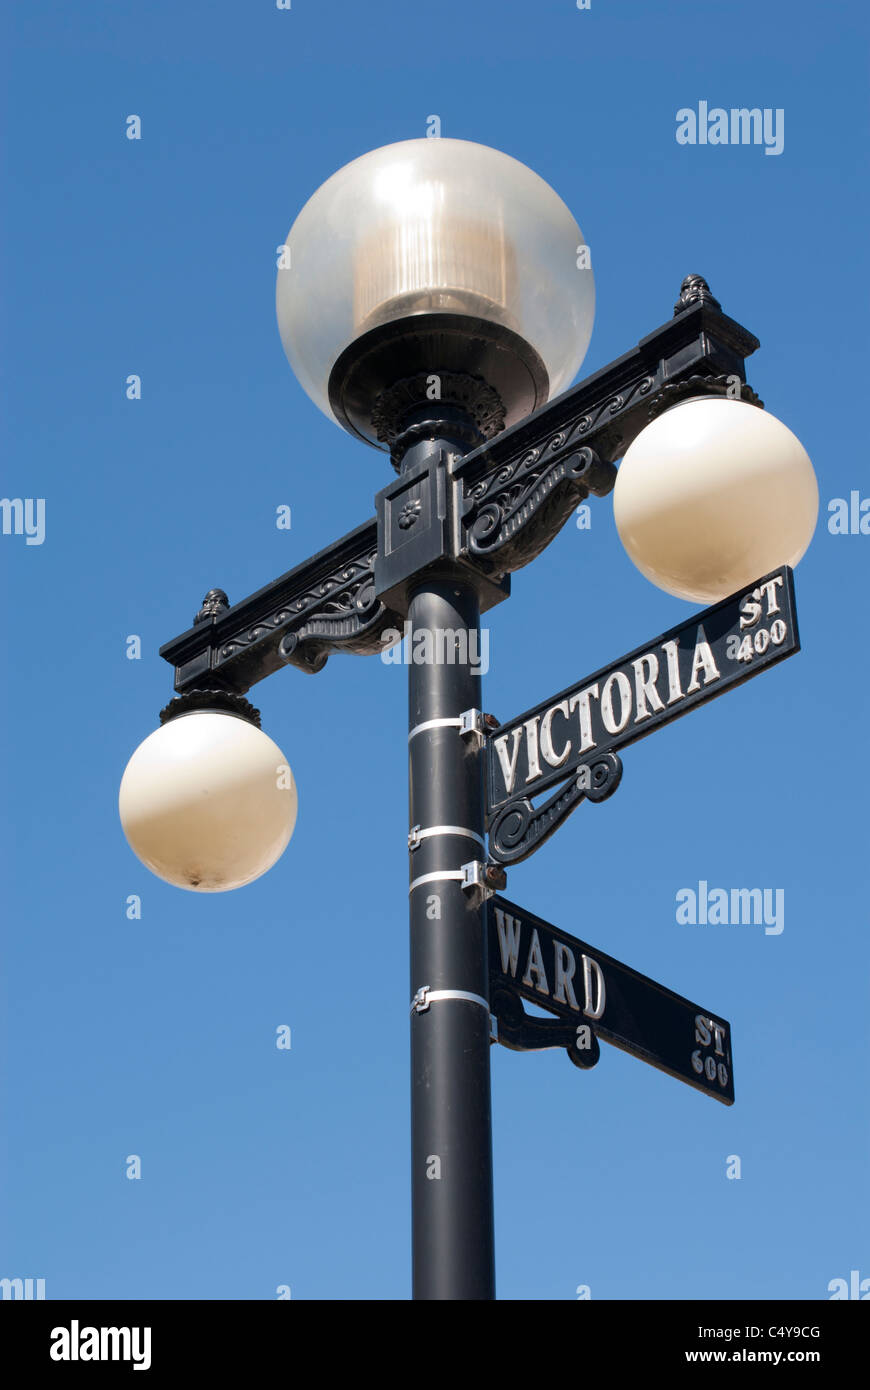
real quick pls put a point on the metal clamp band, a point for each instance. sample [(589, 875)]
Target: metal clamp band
[(426, 996), (418, 833), (474, 721), (475, 874), (470, 721), (434, 724), (434, 877)]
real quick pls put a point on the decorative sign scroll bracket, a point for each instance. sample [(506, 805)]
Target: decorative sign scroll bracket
[(522, 1033), (519, 828)]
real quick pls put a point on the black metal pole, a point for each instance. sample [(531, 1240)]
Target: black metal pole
[(451, 1134)]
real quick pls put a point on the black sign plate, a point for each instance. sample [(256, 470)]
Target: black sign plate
[(535, 960), (715, 650)]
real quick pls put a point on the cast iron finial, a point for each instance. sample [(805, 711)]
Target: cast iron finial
[(695, 290), (214, 603)]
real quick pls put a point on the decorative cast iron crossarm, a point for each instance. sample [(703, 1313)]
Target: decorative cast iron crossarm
[(520, 828), (519, 489), (324, 605), (490, 511)]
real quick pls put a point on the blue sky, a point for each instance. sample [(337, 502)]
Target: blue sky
[(156, 1037)]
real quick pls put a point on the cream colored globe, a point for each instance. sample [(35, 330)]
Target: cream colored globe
[(208, 802), (712, 495)]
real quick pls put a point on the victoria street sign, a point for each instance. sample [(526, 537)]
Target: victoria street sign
[(715, 650), (598, 996)]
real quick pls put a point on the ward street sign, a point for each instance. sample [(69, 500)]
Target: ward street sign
[(596, 994), (715, 650)]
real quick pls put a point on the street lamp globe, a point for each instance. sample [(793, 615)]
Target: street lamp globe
[(712, 495), (208, 801), (433, 254)]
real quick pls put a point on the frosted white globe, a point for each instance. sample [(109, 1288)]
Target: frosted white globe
[(712, 495), (433, 226), (208, 802)]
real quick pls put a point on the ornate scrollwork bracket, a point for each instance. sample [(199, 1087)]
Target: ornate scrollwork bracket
[(728, 386), (519, 828), (342, 612), (339, 612), (511, 515), (522, 1033), (519, 488), (326, 605)]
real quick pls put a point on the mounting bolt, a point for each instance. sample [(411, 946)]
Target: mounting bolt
[(495, 876)]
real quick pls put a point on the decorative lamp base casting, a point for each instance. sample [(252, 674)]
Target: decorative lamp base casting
[(409, 347), (221, 701)]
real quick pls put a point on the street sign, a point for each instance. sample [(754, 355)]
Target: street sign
[(596, 996), (716, 649)]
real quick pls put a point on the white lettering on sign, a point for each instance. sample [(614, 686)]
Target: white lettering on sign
[(581, 703), (509, 930), (552, 757), (670, 650), (646, 670), (576, 724), (535, 966), (531, 728), (703, 658), (565, 967), (751, 611), (508, 761), (709, 1033), (613, 723), (593, 981)]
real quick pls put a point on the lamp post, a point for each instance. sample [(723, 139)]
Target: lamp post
[(434, 299)]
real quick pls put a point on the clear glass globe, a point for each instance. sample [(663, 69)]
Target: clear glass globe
[(433, 226), (208, 802), (712, 495)]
